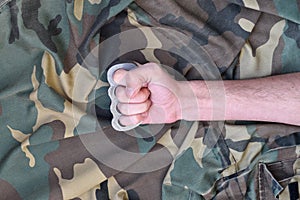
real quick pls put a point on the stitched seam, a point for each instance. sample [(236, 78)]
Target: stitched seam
[(260, 182)]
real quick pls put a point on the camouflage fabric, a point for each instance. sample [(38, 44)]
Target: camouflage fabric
[(56, 141)]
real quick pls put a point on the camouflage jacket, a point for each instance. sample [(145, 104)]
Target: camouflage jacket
[(56, 140)]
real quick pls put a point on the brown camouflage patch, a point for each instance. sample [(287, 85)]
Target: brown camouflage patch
[(267, 6), (76, 38), (277, 59), (264, 25), (8, 191), (58, 130)]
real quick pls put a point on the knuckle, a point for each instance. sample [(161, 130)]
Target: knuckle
[(146, 105), (144, 95), (118, 75), (121, 108), (122, 121), (130, 76), (119, 93), (135, 119)]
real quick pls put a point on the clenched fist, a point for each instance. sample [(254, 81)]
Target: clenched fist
[(147, 94)]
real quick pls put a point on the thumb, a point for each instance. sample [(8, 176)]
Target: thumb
[(135, 80)]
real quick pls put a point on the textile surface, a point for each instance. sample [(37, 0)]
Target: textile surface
[(56, 141)]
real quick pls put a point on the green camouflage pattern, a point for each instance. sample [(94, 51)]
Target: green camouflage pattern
[(54, 56)]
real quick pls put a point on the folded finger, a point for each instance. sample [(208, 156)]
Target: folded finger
[(131, 119), (140, 97), (133, 109), (119, 77)]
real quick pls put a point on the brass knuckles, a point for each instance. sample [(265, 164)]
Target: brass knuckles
[(114, 101)]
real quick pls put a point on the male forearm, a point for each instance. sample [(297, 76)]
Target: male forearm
[(273, 99)]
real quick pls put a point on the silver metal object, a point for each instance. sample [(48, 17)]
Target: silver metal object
[(114, 101)]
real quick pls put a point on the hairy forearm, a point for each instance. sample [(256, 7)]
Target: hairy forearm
[(273, 99)]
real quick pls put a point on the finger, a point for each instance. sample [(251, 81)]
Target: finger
[(119, 77), (132, 80), (132, 119), (133, 109), (136, 78), (140, 97)]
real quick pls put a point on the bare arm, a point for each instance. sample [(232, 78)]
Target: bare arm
[(273, 99)]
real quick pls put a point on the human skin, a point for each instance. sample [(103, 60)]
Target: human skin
[(150, 95)]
